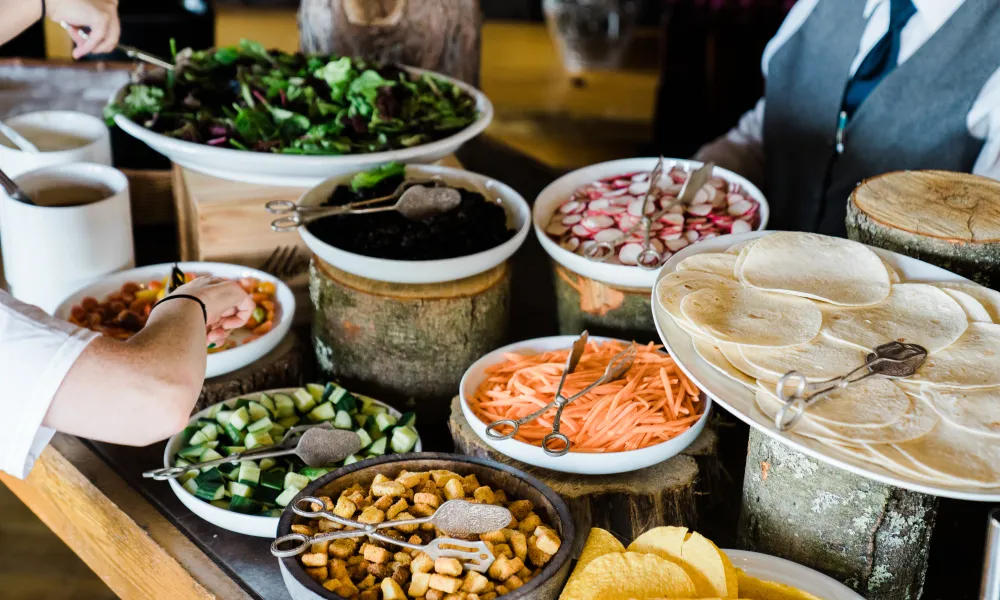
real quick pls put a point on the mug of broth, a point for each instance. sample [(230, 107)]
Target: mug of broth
[(61, 136), (80, 228)]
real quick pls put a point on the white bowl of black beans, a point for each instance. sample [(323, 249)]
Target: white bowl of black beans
[(488, 227)]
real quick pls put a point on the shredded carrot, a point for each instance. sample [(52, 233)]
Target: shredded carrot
[(652, 403)]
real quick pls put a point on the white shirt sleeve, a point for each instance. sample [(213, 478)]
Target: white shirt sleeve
[(36, 353)]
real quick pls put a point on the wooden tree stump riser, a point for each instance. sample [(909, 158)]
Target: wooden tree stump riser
[(411, 341), (873, 537), (602, 309), (282, 367), (626, 504)]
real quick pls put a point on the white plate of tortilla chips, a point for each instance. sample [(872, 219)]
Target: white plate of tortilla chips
[(737, 312)]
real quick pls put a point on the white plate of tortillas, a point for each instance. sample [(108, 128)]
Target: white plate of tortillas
[(739, 311)]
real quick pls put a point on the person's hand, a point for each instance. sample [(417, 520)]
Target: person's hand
[(227, 304), (100, 16)]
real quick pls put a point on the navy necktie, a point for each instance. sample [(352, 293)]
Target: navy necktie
[(882, 58)]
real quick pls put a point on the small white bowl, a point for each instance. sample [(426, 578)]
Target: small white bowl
[(218, 363), (35, 125), (267, 168), (255, 525), (425, 271), (582, 463), (618, 275)]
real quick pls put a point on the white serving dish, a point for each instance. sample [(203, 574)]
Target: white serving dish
[(246, 524), (35, 126), (582, 463), (618, 275), (740, 401), (424, 271), (779, 570), (299, 170), (218, 363)]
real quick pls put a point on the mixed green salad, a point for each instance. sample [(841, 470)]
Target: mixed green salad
[(263, 487), (250, 98)]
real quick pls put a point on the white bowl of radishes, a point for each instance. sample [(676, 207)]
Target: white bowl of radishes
[(600, 202)]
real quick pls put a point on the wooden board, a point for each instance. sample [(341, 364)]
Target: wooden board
[(627, 504), (948, 219)]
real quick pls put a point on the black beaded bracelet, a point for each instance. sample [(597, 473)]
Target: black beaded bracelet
[(204, 310)]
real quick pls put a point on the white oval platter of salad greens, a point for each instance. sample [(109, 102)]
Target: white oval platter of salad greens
[(249, 497)]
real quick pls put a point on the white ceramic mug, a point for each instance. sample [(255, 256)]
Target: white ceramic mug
[(51, 251), (52, 131)]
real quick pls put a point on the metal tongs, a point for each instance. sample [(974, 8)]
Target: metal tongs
[(893, 361), (556, 443), (650, 258), (453, 518), (130, 51)]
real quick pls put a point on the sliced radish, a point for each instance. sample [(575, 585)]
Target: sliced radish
[(692, 236), (673, 189), (734, 198), (581, 231), (629, 253), (569, 207), (718, 183), (607, 235), (700, 210), (614, 210), (740, 226), (594, 194), (705, 195), (656, 245), (579, 208), (627, 221), (638, 188), (556, 229), (635, 208), (740, 208), (621, 183), (670, 234), (640, 177), (615, 193), (676, 244), (570, 243), (599, 205), (673, 219), (598, 223), (656, 226), (572, 219)]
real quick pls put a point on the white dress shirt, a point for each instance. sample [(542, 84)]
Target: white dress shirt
[(36, 353), (742, 149)]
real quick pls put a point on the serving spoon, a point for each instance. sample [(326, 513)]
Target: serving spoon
[(130, 51), (19, 140), (416, 203), (14, 191)]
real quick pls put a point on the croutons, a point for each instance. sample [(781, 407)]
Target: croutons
[(474, 583), (528, 525), (391, 489), (371, 515), (431, 500), (419, 584), (392, 590), (375, 554), (519, 544), (483, 494), (344, 508), (422, 564), (448, 566), (314, 560), (547, 539), (444, 583), (520, 508), (453, 490), (503, 567)]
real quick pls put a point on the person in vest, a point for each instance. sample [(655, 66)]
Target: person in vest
[(857, 88)]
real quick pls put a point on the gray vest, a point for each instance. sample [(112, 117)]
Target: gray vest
[(914, 119)]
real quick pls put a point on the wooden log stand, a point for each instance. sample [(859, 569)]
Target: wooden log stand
[(948, 219), (440, 35), (585, 304), (282, 367), (406, 340), (626, 504), (872, 537)]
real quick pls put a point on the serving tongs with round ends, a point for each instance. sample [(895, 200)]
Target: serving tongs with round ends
[(894, 360), (459, 518), (556, 443), (317, 447), (415, 201)]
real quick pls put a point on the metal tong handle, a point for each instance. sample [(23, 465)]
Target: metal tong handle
[(130, 51), (603, 250), (807, 393), (281, 449), (301, 215), (649, 259)]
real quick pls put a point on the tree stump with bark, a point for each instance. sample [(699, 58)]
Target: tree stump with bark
[(602, 309), (626, 504), (282, 367), (951, 220), (440, 35), (875, 538), (410, 341)]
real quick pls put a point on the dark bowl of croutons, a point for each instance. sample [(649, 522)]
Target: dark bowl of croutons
[(529, 558)]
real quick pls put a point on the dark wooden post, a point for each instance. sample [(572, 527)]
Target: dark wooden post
[(440, 35)]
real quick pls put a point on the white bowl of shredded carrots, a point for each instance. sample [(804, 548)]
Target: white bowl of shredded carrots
[(649, 415)]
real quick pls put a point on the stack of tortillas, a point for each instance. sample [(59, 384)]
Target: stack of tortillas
[(818, 305)]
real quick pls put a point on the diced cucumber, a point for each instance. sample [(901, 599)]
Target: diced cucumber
[(384, 421), (187, 476), (258, 438), (191, 486), (360, 419), (304, 401), (323, 412), (223, 504), (209, 485), (403, 440), (409, 419), (257, 411), (192, 452), (238, 489), (267, 463), (275, 479), (274, 512), (333, 392), (235, 435), (241, 403), (210, 431), (371, 407), (266, 495), (343, 420), (234, 449), (316, 390), (378, 447), (313, 473), (350, 460), (223, 417), (200, 423), (180, 462), (186, 434), (198, 438), (347, 402), (249, 473), (286, 496), (208, 455), (260, 425), (267, 403), (366, 439), (277, 432), (213, 411), (289, 422), (229, 470), (240, 419), (284, 406), (295, 480)]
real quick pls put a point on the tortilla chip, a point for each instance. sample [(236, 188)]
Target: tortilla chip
[(712, 564), (667, 542), (630, 575), (752, 588), (599, 542)]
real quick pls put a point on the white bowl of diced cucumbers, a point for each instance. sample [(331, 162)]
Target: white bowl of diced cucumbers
[(248, 497)]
